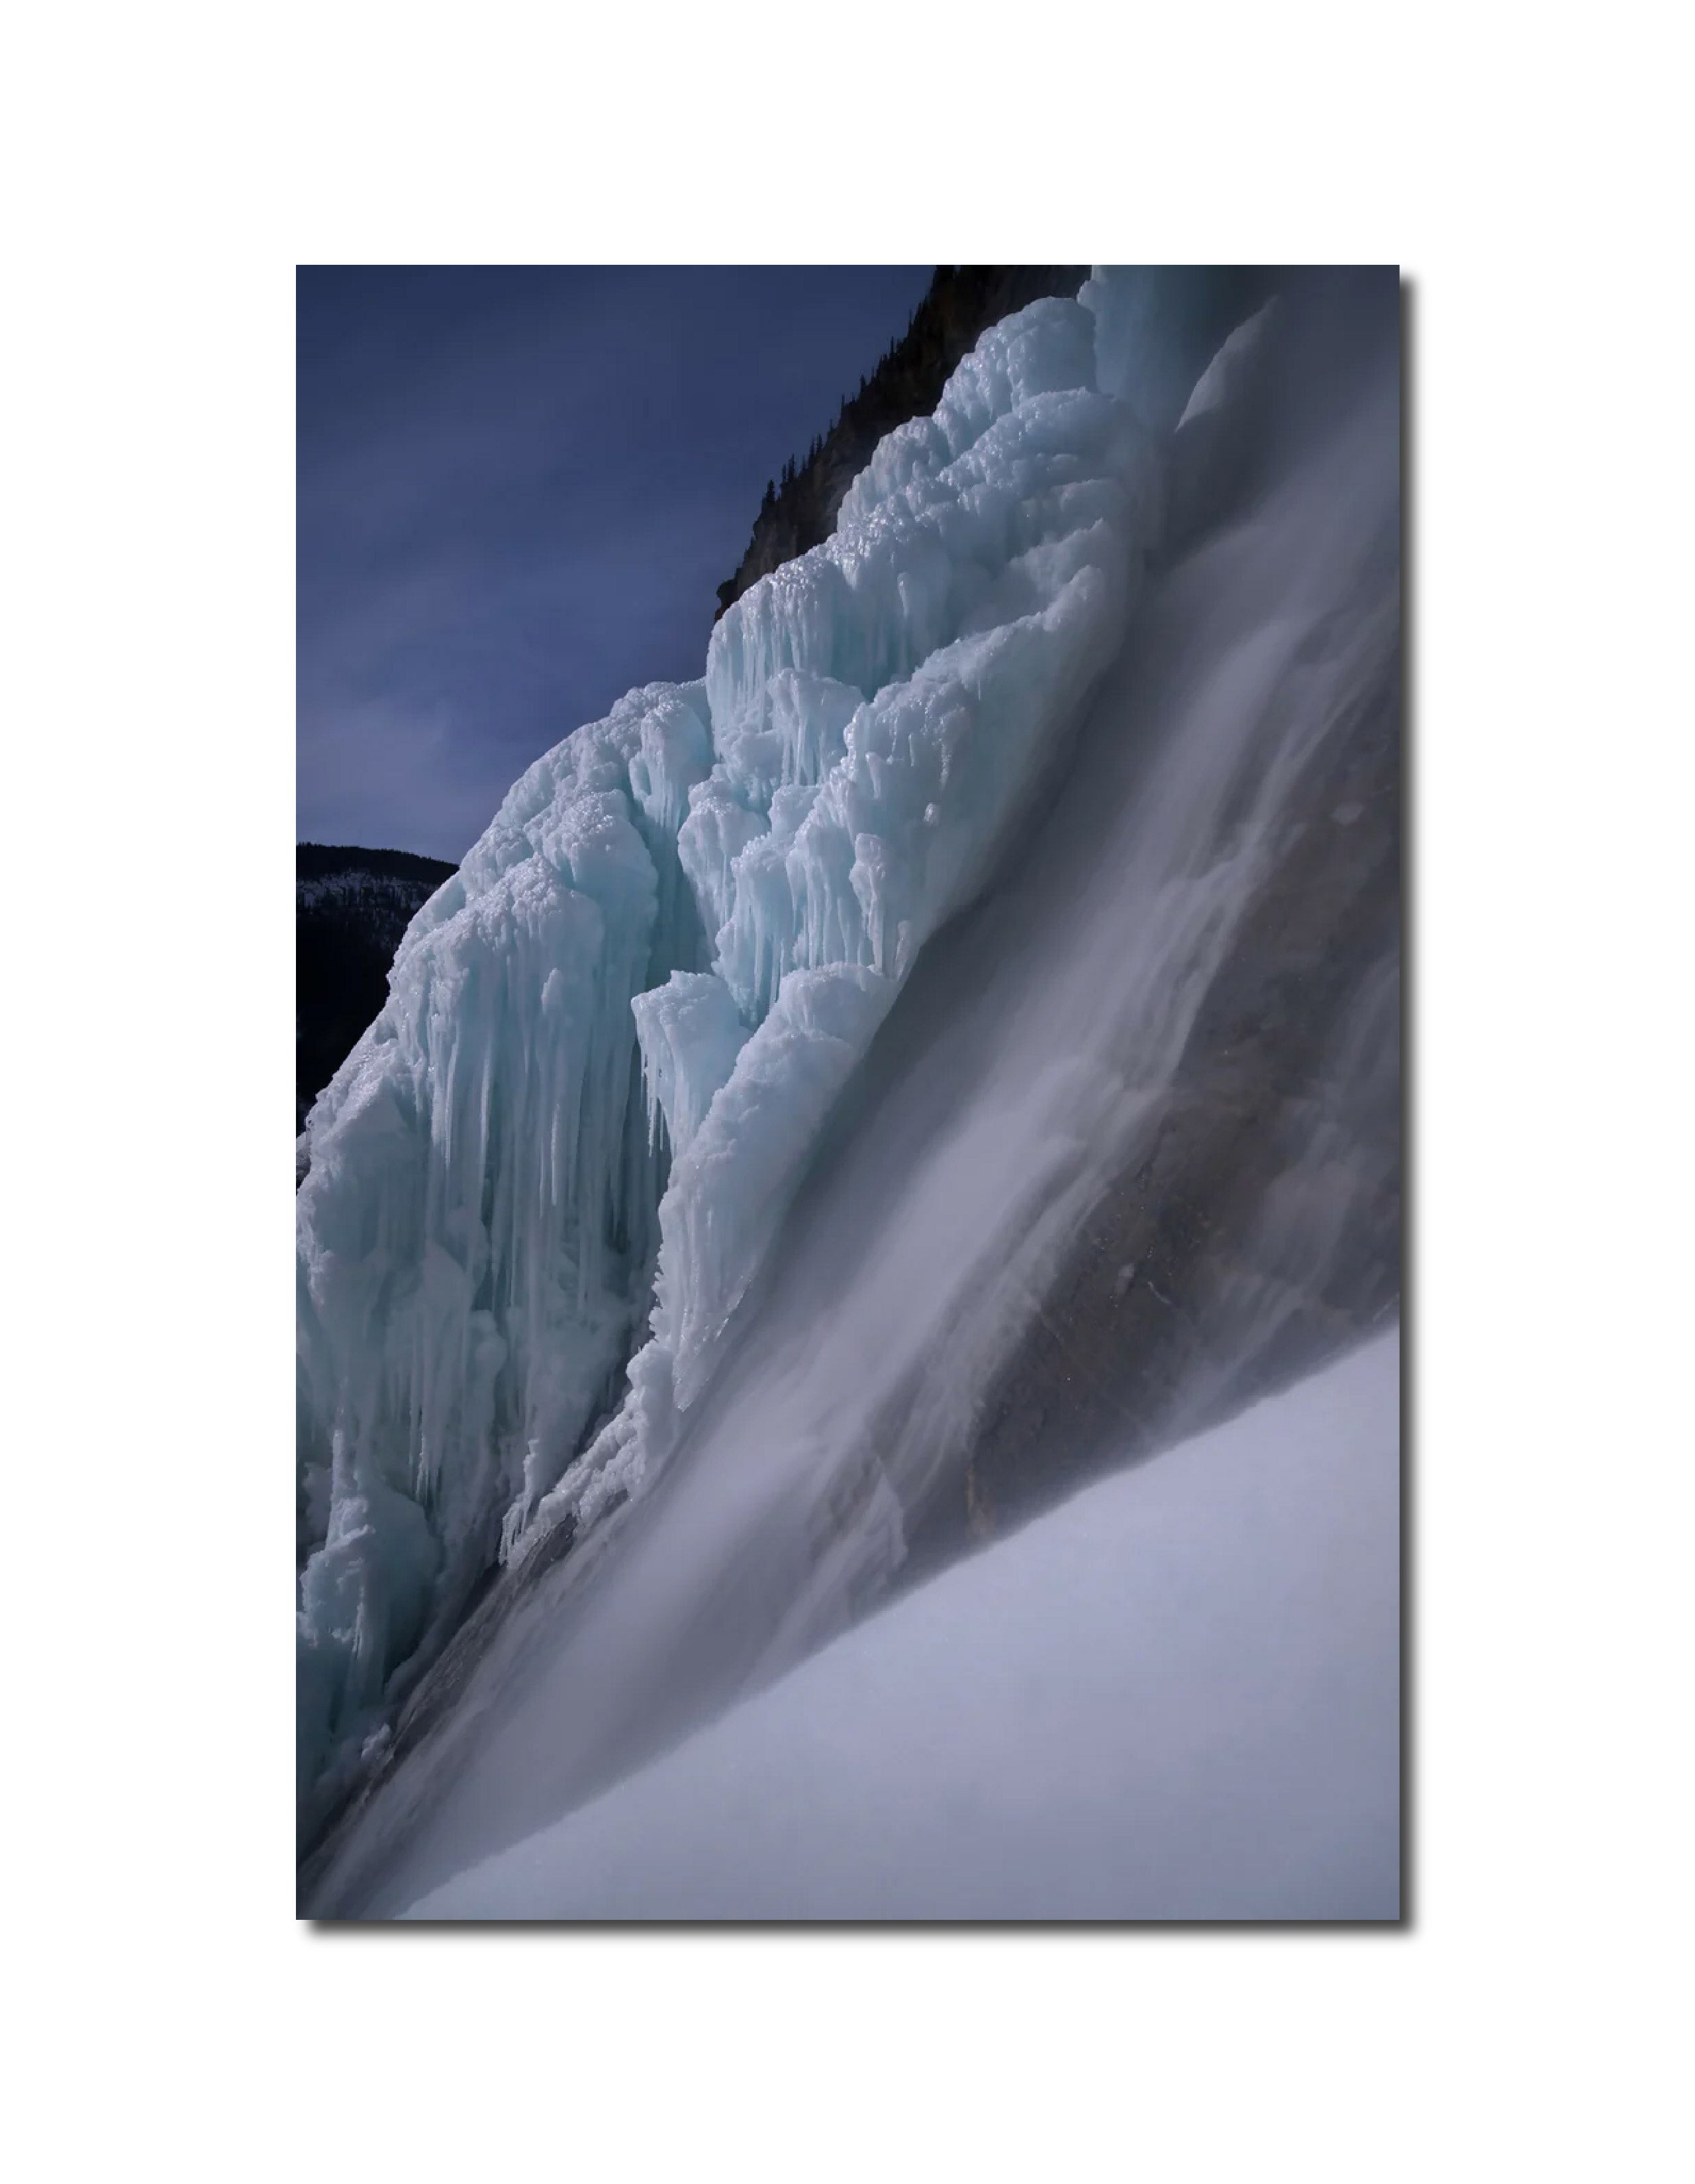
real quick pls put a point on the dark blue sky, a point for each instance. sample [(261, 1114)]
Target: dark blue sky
[(519, 488)]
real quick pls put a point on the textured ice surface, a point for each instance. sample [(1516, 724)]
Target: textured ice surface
[(668, 951), (1227, 377), (477, 1227), (1156, 326), (1196, 1663)]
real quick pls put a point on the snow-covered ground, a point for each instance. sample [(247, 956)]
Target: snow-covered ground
[(1176, 1697)]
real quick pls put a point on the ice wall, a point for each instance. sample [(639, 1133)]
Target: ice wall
[(672, 946), (476, 1231)]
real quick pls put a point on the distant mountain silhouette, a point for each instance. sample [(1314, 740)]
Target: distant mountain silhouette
[(351, 906)]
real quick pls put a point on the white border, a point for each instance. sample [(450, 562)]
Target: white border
[(167, 167)]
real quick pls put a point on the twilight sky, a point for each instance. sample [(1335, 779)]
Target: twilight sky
[(519, 487)]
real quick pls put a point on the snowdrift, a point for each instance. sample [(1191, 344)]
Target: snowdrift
[(1175, 1697)]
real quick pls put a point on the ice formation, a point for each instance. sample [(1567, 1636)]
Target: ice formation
[(612, 1037)]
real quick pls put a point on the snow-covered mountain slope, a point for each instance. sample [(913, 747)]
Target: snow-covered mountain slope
[(1175, 1697)]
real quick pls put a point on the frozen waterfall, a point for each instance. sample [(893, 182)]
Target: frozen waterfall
[(612, 1038)]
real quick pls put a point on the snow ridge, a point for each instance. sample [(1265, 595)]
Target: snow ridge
[(612, 1039)]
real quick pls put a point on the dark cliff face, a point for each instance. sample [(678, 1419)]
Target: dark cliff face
[(799, 510), (351, 907), (1257, 1230)]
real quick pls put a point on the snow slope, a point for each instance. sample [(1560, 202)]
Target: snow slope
[(1177, 1697)]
